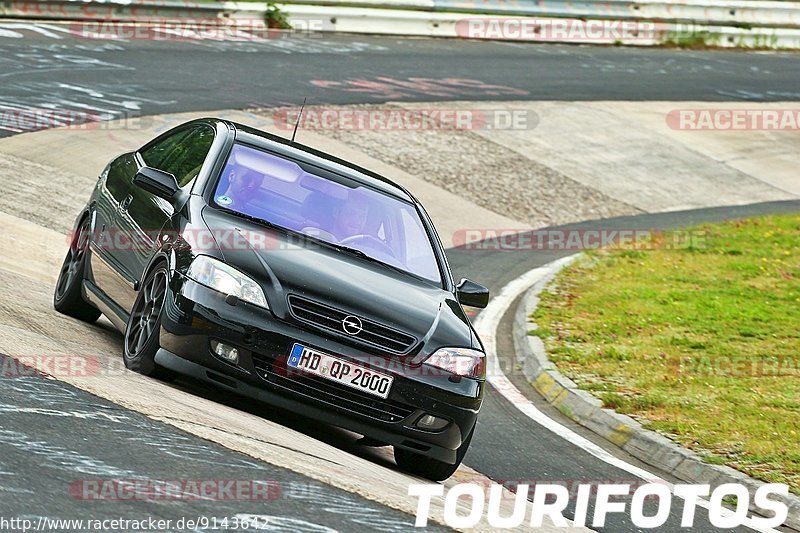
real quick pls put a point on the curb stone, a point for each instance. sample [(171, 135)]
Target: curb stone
[(623, 431)]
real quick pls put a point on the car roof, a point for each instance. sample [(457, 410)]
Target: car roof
[(306, 154)]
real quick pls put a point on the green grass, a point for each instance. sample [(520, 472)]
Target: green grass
[(703, 40), (701, 343), (692, 39), (275, 18)]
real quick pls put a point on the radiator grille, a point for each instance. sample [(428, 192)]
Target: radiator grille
[(331, 319)]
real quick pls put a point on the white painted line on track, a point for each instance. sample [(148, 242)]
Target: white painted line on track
[(9, 33), (486, 325), (43, 29)]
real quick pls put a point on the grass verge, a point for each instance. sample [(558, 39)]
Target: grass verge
[(698, 341), (275, 18)]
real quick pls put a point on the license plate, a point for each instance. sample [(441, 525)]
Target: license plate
[(341, 371)]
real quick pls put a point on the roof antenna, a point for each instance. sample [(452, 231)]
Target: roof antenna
[(298, 119)]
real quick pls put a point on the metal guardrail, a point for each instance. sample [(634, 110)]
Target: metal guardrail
[(749, 23), (741, 13), (736, 13), (438, 24), (776, 14)]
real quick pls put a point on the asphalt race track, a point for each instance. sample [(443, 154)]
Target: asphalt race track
[(52, 433), (43, 66)]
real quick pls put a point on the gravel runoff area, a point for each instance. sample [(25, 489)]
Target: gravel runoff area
[(485, 172)]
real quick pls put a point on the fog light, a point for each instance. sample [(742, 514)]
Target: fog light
[(229, 353), (431, 422)]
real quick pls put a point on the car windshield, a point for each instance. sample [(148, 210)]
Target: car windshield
[(262, 185)]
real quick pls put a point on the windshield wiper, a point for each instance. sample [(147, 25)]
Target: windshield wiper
[(364, 255), (259, 220)]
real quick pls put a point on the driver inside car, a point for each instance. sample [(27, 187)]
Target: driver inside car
[(354, 225), (350, 219), (350, 222)]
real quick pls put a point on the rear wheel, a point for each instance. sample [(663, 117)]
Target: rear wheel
[(144, 324), (68, 297), (429, 468)]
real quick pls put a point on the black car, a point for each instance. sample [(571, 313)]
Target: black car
[(285, 274)]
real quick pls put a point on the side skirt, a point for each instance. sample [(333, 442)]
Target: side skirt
[(108, 307)]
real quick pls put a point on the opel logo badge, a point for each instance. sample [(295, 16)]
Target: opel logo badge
[(352, 325)]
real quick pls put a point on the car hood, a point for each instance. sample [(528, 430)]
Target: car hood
[(286, 264)]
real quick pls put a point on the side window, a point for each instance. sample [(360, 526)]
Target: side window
[(155, 155), (120, 174), (181, 154)]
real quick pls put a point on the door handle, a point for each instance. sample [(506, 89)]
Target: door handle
[(123, 206)]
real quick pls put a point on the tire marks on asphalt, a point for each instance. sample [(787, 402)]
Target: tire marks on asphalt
[(56, 437)]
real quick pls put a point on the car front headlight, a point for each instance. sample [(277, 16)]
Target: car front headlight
[(226, 279), (460, 361)]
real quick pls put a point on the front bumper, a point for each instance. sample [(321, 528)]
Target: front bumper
[(195, 314)]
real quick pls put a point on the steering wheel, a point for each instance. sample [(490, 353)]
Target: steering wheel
[(369, 241), (319, 233)]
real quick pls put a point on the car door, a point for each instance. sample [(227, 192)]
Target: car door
[(112, 190), (143, 214)]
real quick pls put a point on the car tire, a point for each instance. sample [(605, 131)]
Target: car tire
[(141, 339), (68, 294), (429, 468)]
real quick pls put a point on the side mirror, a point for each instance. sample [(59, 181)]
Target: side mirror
[(162, 184), (471, 294)]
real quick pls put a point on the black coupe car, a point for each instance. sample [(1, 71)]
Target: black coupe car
[(279, 272)]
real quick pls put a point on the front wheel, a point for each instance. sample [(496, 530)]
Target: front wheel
[(68, 297), (429, 468), (144, 325)]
